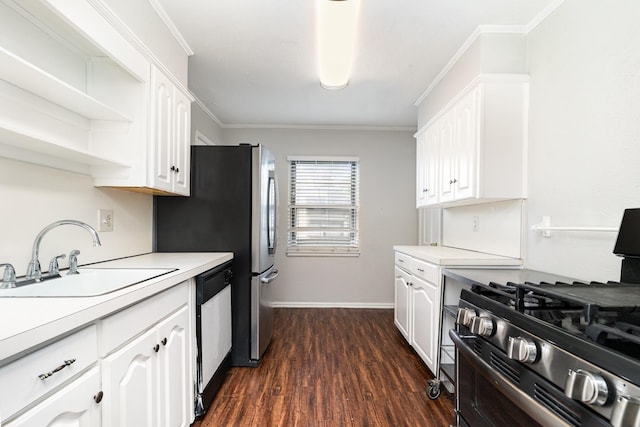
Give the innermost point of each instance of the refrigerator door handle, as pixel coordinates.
(272, 212)
(270, 278)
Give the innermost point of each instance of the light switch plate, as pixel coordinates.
(105, 220)
(476, 224)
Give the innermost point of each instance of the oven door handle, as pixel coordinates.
(541, 414)
(270, 277)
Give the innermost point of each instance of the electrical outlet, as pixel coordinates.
(476, 223)
(105, 220)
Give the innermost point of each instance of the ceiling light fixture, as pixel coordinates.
(336, 29)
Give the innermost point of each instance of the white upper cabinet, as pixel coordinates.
(169, 135)
(473, 151)
(75, 95)
(427, 167)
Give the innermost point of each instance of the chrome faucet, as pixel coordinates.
(9, 277)
(33, 270)
(73, 262)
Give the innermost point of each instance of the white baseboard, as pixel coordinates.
(288, 304)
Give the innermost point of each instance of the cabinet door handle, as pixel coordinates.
(173, 168)
(164, 341)
(98, 397)
(177, 170)
(156, 347)
(59, 368)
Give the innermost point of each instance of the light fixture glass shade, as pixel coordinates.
(336, 22)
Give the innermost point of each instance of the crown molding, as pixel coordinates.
(107, 13)
(551, 7)
(171, 26)
(480, 78)
(488, 29)
(322, 127)
(213, 117)
(207, 111)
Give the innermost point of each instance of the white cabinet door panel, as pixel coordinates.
(402, 301)
(174, 370)
(446, 129)
(432, 153)
(421, 171)
(161, 130)
(182, 148)
(424, 323)
(467, 139)
(130, 384)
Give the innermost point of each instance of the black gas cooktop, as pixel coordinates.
(607, 314)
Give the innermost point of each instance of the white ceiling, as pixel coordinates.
(254, 62)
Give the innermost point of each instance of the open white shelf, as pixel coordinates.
(39, 149)
(27, 76)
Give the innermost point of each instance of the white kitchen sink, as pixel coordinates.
(89, 282)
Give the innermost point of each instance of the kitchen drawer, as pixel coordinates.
(403, 261)
(130, 322)
(425, 270)
(73, 404)
(20, 382)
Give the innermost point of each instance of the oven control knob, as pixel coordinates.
(522, 350)
(482, 326)
(465, 316)
(586, 387)
(626, 412)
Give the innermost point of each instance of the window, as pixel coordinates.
(323, 206)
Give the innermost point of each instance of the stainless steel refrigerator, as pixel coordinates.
(232, 208)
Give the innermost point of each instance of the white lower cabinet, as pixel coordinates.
(76, 405)
(417, 306)
(133, 368)
(424, 321)
(38, 375)
(148, 381)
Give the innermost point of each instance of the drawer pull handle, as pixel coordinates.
(59, 368)
(98, 397)
(164, 341)
(156, 347)
(421, 270)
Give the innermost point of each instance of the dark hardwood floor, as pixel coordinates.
(331, 367)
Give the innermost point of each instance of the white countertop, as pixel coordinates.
(446, 256)
(27, 322)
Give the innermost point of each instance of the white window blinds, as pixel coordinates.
(323, 206)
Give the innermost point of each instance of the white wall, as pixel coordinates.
(498, 228)
(35, 196)
(584, 139)
(202, 123)
(387, 194)
(487, 53)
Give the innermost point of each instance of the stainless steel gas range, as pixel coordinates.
(539, 349)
